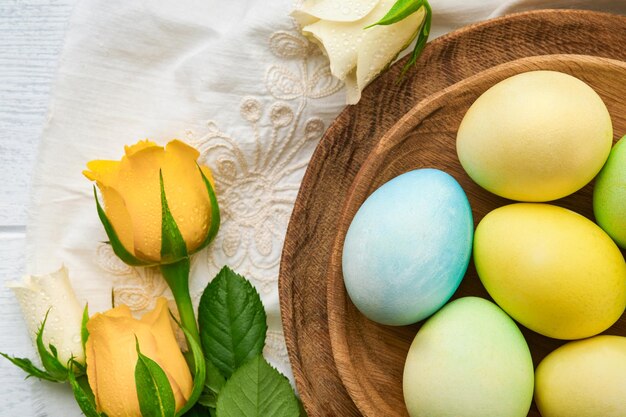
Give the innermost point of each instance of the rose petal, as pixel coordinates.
(338, 10)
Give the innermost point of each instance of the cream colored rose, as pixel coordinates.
(39, 293)
(356, 55)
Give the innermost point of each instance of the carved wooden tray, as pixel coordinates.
(344, 364)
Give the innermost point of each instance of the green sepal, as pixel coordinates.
(84, 333)
(215, 212)
(399, 11)
(422, 38)
(114, 240)
(156, 398)
(173, 247)
(83, 394)
(199, 370)
(50, 359)
(27, 366)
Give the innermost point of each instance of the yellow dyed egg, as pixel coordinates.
(536, 136)
(468, 360)
(551, 269)
(586, 378)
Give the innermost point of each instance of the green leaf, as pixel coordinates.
(27, 366)
(214, 379)
(114, 240)
(257, 390)
(197, 411)
(84, 333)
(232, 321)
(302, 410)
(83, 395)
(215, 212)
(199, 372)
(399, 11)
(154, 392)
(173, 247)
(49, 360)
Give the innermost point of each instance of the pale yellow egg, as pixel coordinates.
(551, 269)
(586, 378)
(536, 136)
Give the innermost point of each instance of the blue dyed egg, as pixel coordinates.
(408, 247)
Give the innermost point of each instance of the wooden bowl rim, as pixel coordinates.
(336, 300)
(286, 276)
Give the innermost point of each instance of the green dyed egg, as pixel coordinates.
(468, 360)
(609, 195)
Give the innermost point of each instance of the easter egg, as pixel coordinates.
(586, 378)
(468, 360)
(609, 195)
(551, 269)
(536, 136)
(408, 247)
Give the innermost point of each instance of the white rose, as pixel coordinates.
(37, 295)
(356, 55)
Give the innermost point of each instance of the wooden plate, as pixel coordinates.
(370, 357)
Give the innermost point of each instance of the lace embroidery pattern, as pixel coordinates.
(257, 177)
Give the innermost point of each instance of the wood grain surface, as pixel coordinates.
(306, 276)
(31, 39)
(370, 357)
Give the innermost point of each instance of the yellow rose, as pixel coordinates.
(112, 356)
(132, 195)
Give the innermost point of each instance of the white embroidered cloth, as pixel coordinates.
(234, 79)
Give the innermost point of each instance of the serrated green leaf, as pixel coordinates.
(27, 366)
(173, 247)
(114, 240)
(84, 333)
(83, 395)
(232, 321)
(154, 391)
(257, 390)
(49, 360)
(199, 372)
(215, 212)
(399, 11)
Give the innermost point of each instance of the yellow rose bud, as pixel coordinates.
(112, 356)
(132, 195)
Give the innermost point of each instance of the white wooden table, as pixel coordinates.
(31, 38)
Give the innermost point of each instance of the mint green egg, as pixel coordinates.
(469, 360)
(609, 195)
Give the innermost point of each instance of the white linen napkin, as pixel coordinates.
(233, 78)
